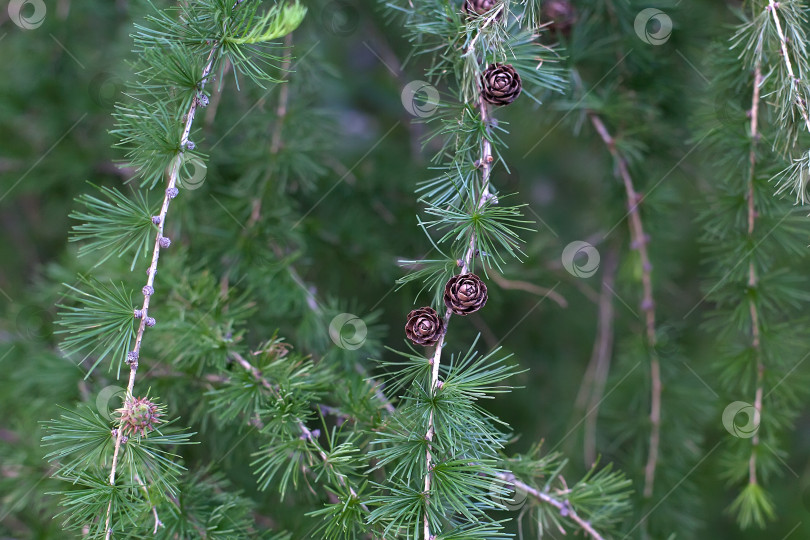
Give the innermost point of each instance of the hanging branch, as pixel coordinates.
(562, 504)
(791, 90)
(435, 361)
(752, 275)
(148, 289)
(593, 385)
(283, 98)
(173, 77)
(639, 241)
(490, 59)
(767, 244)
(783, 43)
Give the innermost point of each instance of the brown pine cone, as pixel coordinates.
(500, 84)
(465, 294)
(479, 7)
(560, 14)
(424, 326)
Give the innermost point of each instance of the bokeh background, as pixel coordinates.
(340, 212)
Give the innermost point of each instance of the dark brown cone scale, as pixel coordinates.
(465, 294)
(479, 7)
(500, 84)
(424, 326)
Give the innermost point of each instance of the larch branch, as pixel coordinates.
(752, 274)
(466, 263)
(639, 241)
(562, 504)
(171, 186)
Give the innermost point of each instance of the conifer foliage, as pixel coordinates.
(241, 331)
(130, 470)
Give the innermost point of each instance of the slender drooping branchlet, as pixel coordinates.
(754, 244)
(180, 50)
(487, 58)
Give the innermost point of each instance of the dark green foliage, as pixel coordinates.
(307, 210)
(116, 225)
(99, 322)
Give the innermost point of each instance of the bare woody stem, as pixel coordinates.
(435, 361)
(593, 384)
(171, 187)
(639, 241)
(562, 504)
(773, 7)
(158, 523)
(752, 274)
(283, 99)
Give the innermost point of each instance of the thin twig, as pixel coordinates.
(752, 274)
(435, 361)
(593, 384)
(773, 7)
(305, 431)
(283, 99)
(216, 96)
(487, 22)
(158, 523)
(150, 281)
(275, 137)
(639, 241)
(504, 283)
(562, 504)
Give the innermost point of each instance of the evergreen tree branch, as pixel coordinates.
(639, 241)
(562, 504)
(752, 274)
(783, 43)
(435, 361)
(306, 433)
(148, 289)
